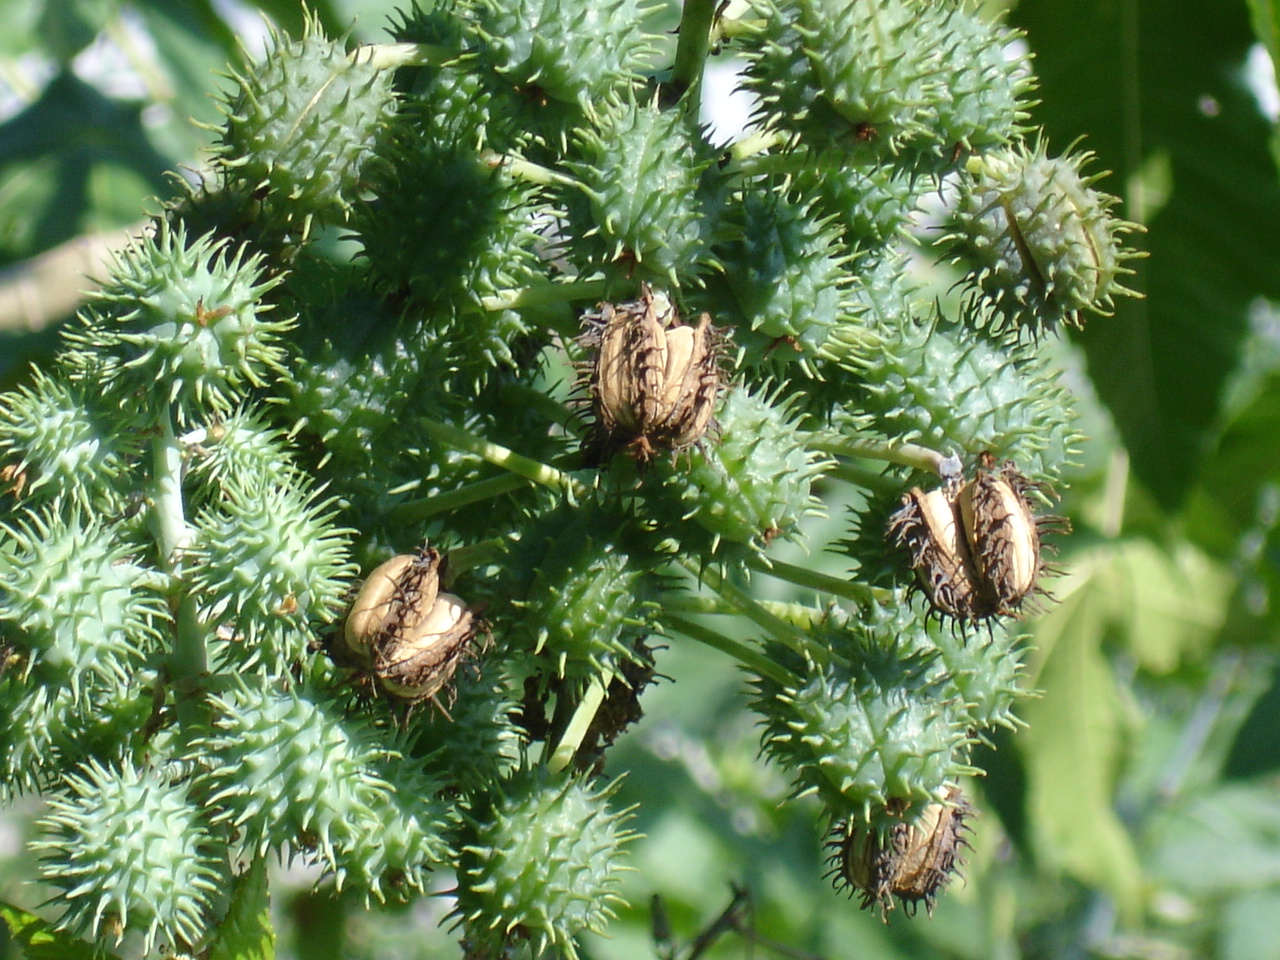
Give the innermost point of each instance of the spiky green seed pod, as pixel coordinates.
(874, 203)
(877, 722)
(844, 72)
(241, 448)
(301, 125)
(54, 443)
(750, 483)
(541, 865)
(886, 77)
(1041, 244)
(479, 742)
(574, 51)
(642, 169)
(76, 601)
(50, 728)
(583, 588)
(268, 566)
(129, 851)
(789, 275)
(178, 324)
(453, 233)
(934, 383)
(288, 772)
(982, 95)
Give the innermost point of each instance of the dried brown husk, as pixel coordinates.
(929, 525)
(913, 859)
(1004, 533)
(405, 632)
(654, 380)
(416, 665)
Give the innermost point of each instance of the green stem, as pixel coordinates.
(746, 605)
(500, 456)
(545, 293)
(580, 722)
(476, 555)
(414, 510)
(859, 593)
(388, 56)
(864, 478)
(797, 614)
(750, 658)
(694, 42)
(908, 454)
(527, 170)
(188, 663)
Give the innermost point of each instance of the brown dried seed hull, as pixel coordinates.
(929, 525)
(393, 599)
(654, 380)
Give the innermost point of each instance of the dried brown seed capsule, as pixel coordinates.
(654, 380)
(394, 598)
(929, 525)
(912, 860)
(1003, 532)
(416, 665)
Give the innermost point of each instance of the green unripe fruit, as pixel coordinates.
(1041, 243)
(642, 170)
(47, 726)
(269, 567)
(289, 772)
(878, 721)
(789, 274)
(130, 851)
(53, 443)
(541, 865)
(750, 483)
(982, 94)
(874, 203)
(449, 231)
(934, 383)
(301, 125)
(76, 602)
(576, 51)
(179, 324)
(585, 587)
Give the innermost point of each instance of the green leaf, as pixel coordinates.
(1155, 87)
(51, 155)
(246, 932)
(1251, 927)
(41, 942)
(1072, 749)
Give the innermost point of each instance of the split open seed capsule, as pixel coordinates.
(1003, 532)
(408, 633)
(654, 379)
(416, 665)
(395, 597)
(929, 525)
(912, 860)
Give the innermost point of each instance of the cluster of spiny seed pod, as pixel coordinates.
(975, 545)
(377, 291)
(406, 631)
